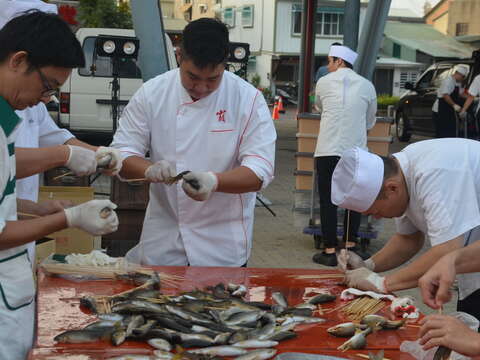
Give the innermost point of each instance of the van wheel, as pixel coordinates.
(401, 127)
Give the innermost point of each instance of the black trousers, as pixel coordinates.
(328, 211)
(471, 304)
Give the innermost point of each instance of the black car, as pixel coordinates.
(413, 113)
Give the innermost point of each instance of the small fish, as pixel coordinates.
(343, 330)
(306, 306)
(304, 320)
(442, 353)
(111, 317)
(322, 298)
(358, 341)
(373, 321)
(283, 335)
(83, 336)
(90, 303)
(222, 338)
(241, 291)
(256, 344)
(101, 324)
(280, 299)
(160, 344)
(244, 317)
(145, 328)
(119, 337)
(163, 355)
(299, 311)
(260, 354)
(393, 324)
(220, 351)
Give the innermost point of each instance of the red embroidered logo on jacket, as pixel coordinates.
(221, 115)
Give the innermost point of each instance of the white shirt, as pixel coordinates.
(348, 103)
(229, 128)
(37, 130)
(443, 182)
(446, 88)
(474, 88)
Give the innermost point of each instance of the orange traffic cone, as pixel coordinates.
(281, 109)
(275, 114)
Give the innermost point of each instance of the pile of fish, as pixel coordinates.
(359, 332)
(215, 321)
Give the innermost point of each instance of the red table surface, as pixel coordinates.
(58, 310)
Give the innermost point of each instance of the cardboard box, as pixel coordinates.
(69, 240)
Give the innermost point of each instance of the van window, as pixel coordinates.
(441, 75)
(104, 66)
(425, 80)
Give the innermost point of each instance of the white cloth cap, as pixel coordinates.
(344, 53)
(462, 69)
(357, 180)
(12, 8)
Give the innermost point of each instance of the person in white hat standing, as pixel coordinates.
(432, 189)
(450, 98)
(348, 104)
(472, 93)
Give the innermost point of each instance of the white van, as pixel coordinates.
(85, 98)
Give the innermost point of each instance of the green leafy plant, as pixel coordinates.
(255, 80)
(105, 13)
(383, 100)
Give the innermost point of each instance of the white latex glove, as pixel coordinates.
(200, 185)
(457, 108)
(81, 161)
(463, 114)
(160, 171)
(348, 260)
(110, 159)
(95, 216)
(365, 279)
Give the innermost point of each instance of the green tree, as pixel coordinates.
(104, 13)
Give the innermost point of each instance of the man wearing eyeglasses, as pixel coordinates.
(36, 48)
(38, 130)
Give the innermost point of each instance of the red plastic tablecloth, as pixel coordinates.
(58, 310)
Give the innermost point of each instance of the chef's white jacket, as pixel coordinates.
(348, 104)
(443, 182)
(446, 88)
(229, 128)
(37, 129)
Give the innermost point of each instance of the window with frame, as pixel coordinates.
(247, 16)
(203, 8)
(408, 76)
(397, 50)
(328, 21)
(229, 17)
(187, 1)
(102, 66)
(461, 29)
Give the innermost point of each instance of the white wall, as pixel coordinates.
(251, 35)
(263, 68)
(287, 43)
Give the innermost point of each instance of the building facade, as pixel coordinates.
(455, 17)
(194, 9)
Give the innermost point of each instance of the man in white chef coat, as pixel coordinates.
(348, 105)
(432, 189)
(37, 129)
(31, 66)
(209, 121)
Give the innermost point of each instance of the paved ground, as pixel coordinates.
(277, 241)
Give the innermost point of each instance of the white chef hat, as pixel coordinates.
(344, 53)
(462, 69)
(357, 180)
(12, 8)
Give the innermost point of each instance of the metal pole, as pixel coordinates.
(371, 37)
(148, 25)
(351, 23)
(307, 53)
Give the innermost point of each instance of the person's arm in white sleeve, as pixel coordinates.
(372, 110)
(132, 137)
(256, 154)
(49, 134)
(473, 91)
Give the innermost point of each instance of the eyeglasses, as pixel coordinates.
(48, 90)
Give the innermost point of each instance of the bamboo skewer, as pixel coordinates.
(27, 214)
(368, 357)
(63, 175)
